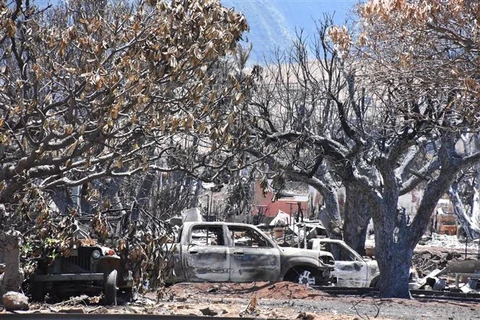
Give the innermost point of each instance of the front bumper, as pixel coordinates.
(70, 277)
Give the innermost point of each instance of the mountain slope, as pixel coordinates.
(274, 23)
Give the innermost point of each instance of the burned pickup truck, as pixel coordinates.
(234, 252)
(83, 270)
(351, 269)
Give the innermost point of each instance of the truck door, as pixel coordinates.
(350, 269)
(253, 256)
(205, 257)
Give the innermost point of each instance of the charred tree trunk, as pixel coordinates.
(393, 248)
(356, 218)
(472, 231)
(12, 278)
(395, 240)
(330, 215)
(469, 221)
(394, 256)
(143, 195)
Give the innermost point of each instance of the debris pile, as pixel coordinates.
(426, 262)
(262, 290)
(445, 263)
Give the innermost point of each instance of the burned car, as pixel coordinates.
(82, 270)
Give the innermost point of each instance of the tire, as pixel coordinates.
(128, 295)
(375, 282)
(306, 277)
(110, 290)
(301, 276)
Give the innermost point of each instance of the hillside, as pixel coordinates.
(273, 23)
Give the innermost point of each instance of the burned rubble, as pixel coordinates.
(453, 266)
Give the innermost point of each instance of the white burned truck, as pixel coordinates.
(351, 269)
(235, 252)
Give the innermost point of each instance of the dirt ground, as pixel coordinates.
(282, 300)
(285, 300)
(263, 300)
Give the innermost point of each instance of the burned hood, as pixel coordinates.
(297, 252)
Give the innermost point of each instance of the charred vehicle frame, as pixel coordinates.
(235, 252)
(82, 270)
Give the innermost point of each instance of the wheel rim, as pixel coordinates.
(306, 277)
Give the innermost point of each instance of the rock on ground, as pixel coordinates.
(13, 301)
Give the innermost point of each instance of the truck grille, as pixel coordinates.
(82, 259)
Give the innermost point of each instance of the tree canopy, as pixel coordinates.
(91, 89)
(426, 50)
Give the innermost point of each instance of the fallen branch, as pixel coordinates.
(73, 301)
(365, 316)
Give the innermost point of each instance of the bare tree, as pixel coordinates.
(385, 109)
(417, 61)
(306, 110)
